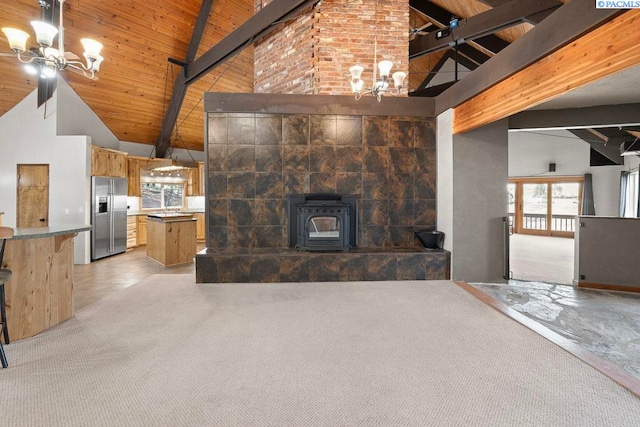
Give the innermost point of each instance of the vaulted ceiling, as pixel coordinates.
(136, 79)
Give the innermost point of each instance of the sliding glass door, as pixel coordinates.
(545, 206)
(535, 207)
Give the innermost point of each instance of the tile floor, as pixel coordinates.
(603, 322)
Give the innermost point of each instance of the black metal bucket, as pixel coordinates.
(431, 239)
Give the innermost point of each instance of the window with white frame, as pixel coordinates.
(158, 193)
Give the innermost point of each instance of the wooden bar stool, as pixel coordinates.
(5, 275)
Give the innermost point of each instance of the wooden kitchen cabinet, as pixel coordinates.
(200, 227)
(106, 162)
(203, 177)
(132, 232)
(141, 229)
(99, 161)
(133, 184)
(172, 240)
(195, 185)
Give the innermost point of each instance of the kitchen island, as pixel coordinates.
(171, 238)
(39, 295)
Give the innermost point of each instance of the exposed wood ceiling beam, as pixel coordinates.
(431, 91)
(179, 90)
(48, 13)
(435, 13)
(577, 118)
(493, 3)
(258, 26)
(610, 151)
(536, 18)
(568, 23)
(607, 49)
(491, 43)
(473, 54)
(463, 60)
(598, 134)
(532, 19)
(483, 24)
(460, 59)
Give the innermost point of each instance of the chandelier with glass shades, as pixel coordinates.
(380, 84)
(46, 60)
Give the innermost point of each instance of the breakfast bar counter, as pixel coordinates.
(39, 295)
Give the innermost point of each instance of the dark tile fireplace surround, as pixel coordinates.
(260, 158)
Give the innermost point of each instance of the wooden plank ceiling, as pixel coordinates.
(136, 80)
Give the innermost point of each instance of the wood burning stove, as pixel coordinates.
(322, 222)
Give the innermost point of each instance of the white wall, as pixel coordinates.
(76, 118)
(27, 136)
(631, 162)
(531, 152)
(444, 182)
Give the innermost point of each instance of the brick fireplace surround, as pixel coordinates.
(262, 147)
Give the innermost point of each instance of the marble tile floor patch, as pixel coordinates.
(606, 323)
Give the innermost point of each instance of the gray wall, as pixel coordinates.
(475, 179)
(531, 152)
(607, 251)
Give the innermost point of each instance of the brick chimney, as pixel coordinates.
(312, 54)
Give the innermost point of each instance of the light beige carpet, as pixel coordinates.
(169, 352)
(542, 258)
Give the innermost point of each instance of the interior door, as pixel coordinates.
(32, 208)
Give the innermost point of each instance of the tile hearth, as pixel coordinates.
(289, 265)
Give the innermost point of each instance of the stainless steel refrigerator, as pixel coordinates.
(108, 216)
